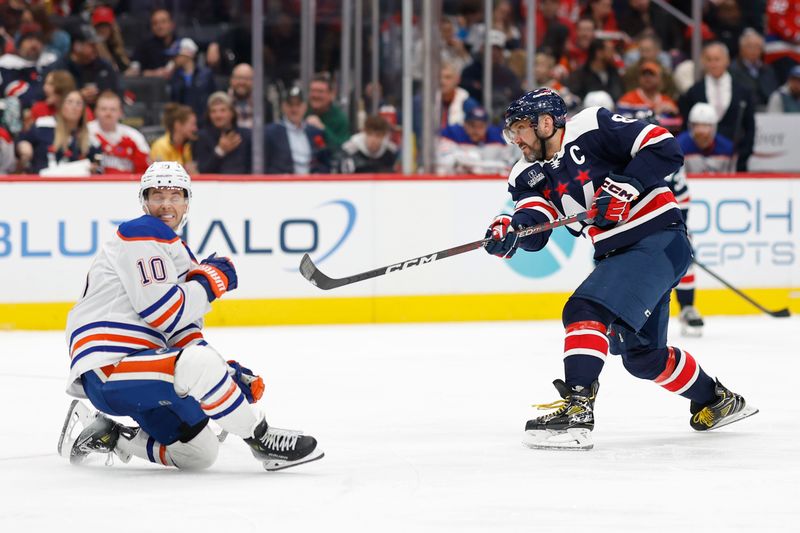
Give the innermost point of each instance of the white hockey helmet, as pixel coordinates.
(166, 174)
(703, 113)
(598, 98)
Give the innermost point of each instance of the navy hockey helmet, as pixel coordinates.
(530, 105)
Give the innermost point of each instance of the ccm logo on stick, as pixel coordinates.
(412, 262)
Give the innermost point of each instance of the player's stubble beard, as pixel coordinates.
(539, 150)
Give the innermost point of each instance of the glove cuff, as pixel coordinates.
(213, 280)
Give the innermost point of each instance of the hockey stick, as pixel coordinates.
(780, 313)
(310, 271)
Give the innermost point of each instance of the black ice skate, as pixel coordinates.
(282, 448)
(96, 433)
(691, 322)
(569, 427)
(728, 408)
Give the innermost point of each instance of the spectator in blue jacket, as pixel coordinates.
(190, 84)
(292, 146)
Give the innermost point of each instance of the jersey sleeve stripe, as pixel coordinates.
(648, 136)
(537, 204)
(179, 313)
(160, 302)
(174, 308)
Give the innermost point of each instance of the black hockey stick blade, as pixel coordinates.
(780, 313)
(313, 274)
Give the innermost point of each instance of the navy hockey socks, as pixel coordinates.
(585, 352)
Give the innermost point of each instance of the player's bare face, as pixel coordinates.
(521, 133)
(529, 139)
(167, 204)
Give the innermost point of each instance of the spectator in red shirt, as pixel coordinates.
(578, 51)
(782, 50)
(123, 150)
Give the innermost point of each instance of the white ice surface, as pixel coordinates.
(422, 429)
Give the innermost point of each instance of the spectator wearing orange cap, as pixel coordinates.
(649, 96)
(111, 46)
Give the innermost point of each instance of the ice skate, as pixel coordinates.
(691, 322)
(96, 433)
(570, 426)
(282, 448)
(729, 407)
(79, 416)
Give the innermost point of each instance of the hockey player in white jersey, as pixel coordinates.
(136, 349)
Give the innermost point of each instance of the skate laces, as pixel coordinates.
(558, 404)
(281, 439)
(705, 416)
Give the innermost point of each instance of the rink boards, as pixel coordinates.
(745, 228)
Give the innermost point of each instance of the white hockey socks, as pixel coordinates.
(198, 453)
(202, 373)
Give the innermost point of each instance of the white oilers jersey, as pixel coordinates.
(136, 298)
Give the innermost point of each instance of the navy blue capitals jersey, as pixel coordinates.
(595, 143)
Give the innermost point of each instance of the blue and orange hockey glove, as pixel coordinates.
(251, 385)
(217, 275)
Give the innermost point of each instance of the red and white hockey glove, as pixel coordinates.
(504, 239)
(217, 275)
(613, 200)
(251, 385)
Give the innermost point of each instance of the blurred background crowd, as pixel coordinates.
(108, 86)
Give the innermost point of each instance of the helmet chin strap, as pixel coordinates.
(543, 141)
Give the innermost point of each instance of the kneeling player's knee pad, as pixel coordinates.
(580, 310)
(198, 453)
(645, 363)
(198, 370)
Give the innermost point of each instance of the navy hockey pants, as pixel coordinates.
(147, 395)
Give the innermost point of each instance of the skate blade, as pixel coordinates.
(273, 465)
(77, 415)
(575, 439)
(747, 412)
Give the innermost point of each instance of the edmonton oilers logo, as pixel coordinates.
(546, 261)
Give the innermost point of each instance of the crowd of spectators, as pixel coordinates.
(117, 84)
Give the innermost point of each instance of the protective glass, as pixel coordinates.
(155, 198)
(512, 133)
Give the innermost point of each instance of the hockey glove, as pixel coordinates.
(217, 275)
(613, 200)
(252, 386)
(504, 239)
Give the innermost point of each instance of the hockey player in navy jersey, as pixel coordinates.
(617, 166)
(136, 349)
